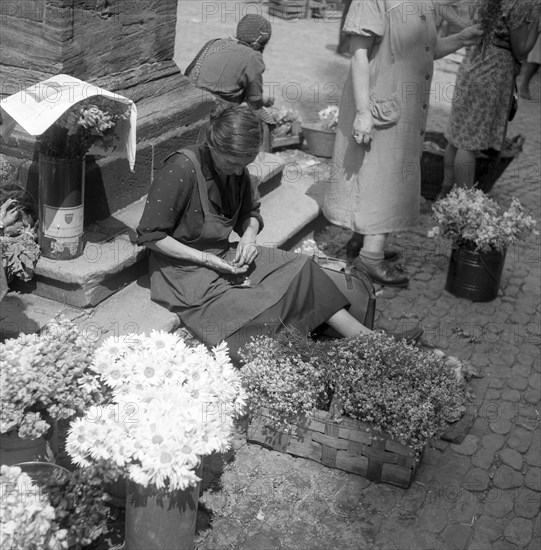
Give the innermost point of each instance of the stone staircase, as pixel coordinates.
(106, 290)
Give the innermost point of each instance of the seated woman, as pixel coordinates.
(222, 291)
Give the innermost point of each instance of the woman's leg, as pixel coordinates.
(448, 170)
(528, 71)
(372, 260)
(345, 324)
(465, 168)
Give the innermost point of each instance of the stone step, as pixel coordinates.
(111, 259)
(288, 209)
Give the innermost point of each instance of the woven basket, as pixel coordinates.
(293, 138)
(346, 444)
(489, 167)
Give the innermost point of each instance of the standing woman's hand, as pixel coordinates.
(362, 127)
(470, 36)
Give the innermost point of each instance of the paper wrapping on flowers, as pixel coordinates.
(41, 105)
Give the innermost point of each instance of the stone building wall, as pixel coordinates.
(121, 45)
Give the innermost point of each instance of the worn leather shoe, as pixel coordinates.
(412, 335)
(381, 272)
(354, 245)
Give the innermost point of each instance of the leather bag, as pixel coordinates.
(356, 286)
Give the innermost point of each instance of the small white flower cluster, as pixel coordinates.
(281, 378)
(329, 118)
(172, 404)
(27, 519)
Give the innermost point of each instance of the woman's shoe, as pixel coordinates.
(412, 335)
(381, 272)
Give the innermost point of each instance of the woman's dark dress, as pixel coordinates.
(280, 288)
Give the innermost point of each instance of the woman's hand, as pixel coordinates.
(362, 127)
(222, 266)
(9, 212)
(470, 36)
(246, 250)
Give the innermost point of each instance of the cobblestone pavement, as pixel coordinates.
(481, 494)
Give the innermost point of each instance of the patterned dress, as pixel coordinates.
(376, 187)
(485, 83)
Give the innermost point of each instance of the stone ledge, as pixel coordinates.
(289, 209)
(129, 311)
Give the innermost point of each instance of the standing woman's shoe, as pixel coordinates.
(381, 272)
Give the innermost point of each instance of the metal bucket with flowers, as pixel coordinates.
(173, 403)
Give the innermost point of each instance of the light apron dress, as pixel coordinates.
(376, 187)
(280, 288)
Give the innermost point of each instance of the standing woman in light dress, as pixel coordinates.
(382, 121)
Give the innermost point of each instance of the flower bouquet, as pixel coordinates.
(78, 500)
(468, 217)
(480, 234)
(45, 378)
(89, 124)
(172, 404)
(93, 126)
(367, 404)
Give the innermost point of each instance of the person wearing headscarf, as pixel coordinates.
(232, 68)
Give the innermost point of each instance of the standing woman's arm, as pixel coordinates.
(360, 47)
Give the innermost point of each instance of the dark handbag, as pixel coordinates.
(356, 286)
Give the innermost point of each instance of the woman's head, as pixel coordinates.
(234, 136)
(255, 30)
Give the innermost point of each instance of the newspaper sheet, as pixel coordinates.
(39, 106)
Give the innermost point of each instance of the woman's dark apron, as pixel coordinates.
(210, 304)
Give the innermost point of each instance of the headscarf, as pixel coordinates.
(253, 28)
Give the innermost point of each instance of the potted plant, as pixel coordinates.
(172, 404)
(367, 405)
(18, 244)
(79, 506)
(46, 377)
(89, 125)
(27, 518)
(480, 233)
(320, 136)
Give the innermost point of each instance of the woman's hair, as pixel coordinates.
(235, 130)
